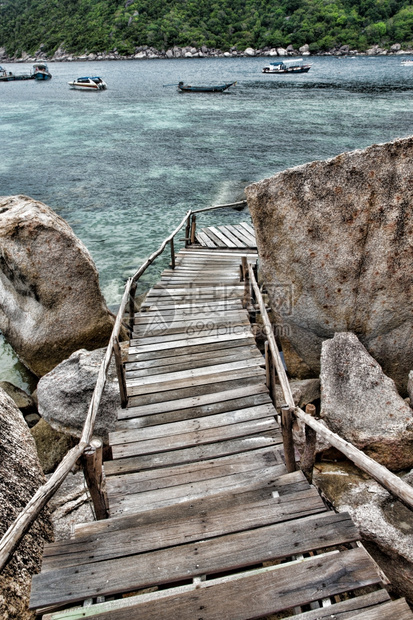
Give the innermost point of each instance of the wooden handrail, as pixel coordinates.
(30, 512)
(381, 474)
(232, 205)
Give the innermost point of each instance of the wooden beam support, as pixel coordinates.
(187, 230)
(172, 254)
(287, 434)
(308, 457)
(120, 370)
(270, 373)
(193, 229)
(92, 468)
(132, 306)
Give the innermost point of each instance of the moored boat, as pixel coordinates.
(407, 63)
(40, 71)
(187, 88)
(8, 76)
(285, 66)
(88, 83)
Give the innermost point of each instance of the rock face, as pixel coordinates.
(51, 445)
(64, 394)
(50, 300)
(22, 400)
(303, 392)
(20, 477)
(384, 522)
(334, 239)
(362, 405)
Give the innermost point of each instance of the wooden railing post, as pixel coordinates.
(92, 468)
(172, 254)
(287, 434)
(246, 301)
(120, 370)
(308, 456)
(270, 373)
(193, 229)
(132, 294)
(187, 230)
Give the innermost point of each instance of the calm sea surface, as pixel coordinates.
(122, 166)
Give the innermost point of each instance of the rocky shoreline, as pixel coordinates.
(145, 52)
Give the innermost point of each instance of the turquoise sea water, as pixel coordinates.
(122, 166)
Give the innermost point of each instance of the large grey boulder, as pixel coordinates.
(335, 242)
(64, 394)
(20, 477)
(385, 524)
(50, 300)
(362, 405)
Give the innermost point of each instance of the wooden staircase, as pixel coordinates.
(205, 522)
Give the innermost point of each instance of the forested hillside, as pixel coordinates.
(102, 25)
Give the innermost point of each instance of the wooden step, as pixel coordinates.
(271, 438)
(224, 553)
(376, 604)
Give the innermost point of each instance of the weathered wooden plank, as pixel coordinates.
(246, 232)
(229, 254)
(205, 240)
(167, 314)
(178, 282)
(190, 521)
(196, 453)
(180, 352)
(285, 484)
(129, 502)
(186, 602)
(347, 610)
(241, 333)
(205, 305)
(387, 611)
(217, 241)
(192, 373)
(221, 235)
(162, 291)
(171, 318)
(150, 494)
(141, 536)
(216, 555)
(194, 381)
(228, 233)
(196, 424)
(132, 499)
(152, 479)
(200, 400)
(187, 329)
(195, 438)
(193, 412)
(154, 367)
(242, 236)
(248, 227)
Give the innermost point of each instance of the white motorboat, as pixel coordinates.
(287, 66)
(407, 63)
(88, 83)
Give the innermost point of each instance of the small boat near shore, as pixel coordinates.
(8, 76)
(88, 83)
(407, 63)
(286, 66)
(187, 88)
(39, 72)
